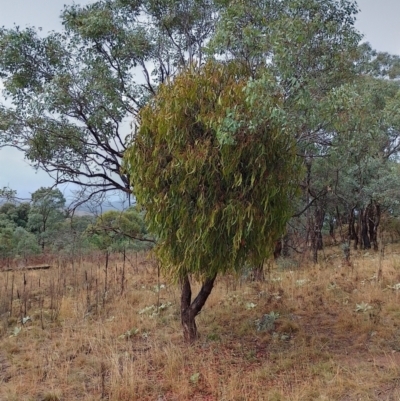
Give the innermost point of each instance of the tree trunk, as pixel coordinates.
(340, 223)
(316, 238)
(309, 228)
(332, 229)
(285, 246)
(258, 272)
(319, 222)
(352, 230)
(278, 249)
(374, 218)
(366, 244)
(189, 309)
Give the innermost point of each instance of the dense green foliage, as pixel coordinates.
(215, 173)
(120, 230)
(46, 213)
(44, 225)
(357, 168)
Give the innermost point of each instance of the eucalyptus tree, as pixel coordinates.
(353, 179)
(17, 213)
(314, 51)
(46, 214)
(312, 48)
(25, 244)
(8, 194)
(361, 168)
(120, 230)
(15, 241)
(71, 239)
(6, 238)
(74, 93)
(215, 175)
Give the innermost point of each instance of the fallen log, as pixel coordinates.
(38, 267)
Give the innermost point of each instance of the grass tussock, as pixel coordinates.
(83, 332)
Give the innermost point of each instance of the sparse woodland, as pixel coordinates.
(261, 162)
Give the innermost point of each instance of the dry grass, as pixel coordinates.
(87, 341)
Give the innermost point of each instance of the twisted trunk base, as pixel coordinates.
(189, 309)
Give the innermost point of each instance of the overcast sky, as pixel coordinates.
(378, 20)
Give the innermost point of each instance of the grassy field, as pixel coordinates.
(323, 332)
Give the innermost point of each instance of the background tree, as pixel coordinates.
(215, 175)
(312, 48)
(74, 93)
(352, 178)
(363, 157)
(15, 241)
(70, 237)
(47, 210)
(7, 194)
(120, 230)
(7, 228)
(18, 213)
(25, 244)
